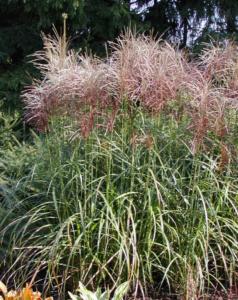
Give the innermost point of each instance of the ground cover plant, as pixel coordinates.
(27, 293)
(131, 174)
(85, 294)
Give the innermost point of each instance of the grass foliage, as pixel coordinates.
(120, 207)
(134, 204)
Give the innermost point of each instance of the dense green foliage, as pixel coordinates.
(92, 23)
(189, 21)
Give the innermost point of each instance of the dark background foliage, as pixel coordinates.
(93, 22)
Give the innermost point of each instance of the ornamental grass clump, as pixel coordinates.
(212, 90)
(219, 64)
(146, 71)
(73, 85)
(136, 205)
(206, 107)
(141, 73)
(103, 211)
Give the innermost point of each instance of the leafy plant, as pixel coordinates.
(26, 293)
(85, 294)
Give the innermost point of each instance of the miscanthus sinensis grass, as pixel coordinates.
(134, 205)
(140, 71)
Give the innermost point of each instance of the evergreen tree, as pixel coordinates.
(91, 23)
(189, 21)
